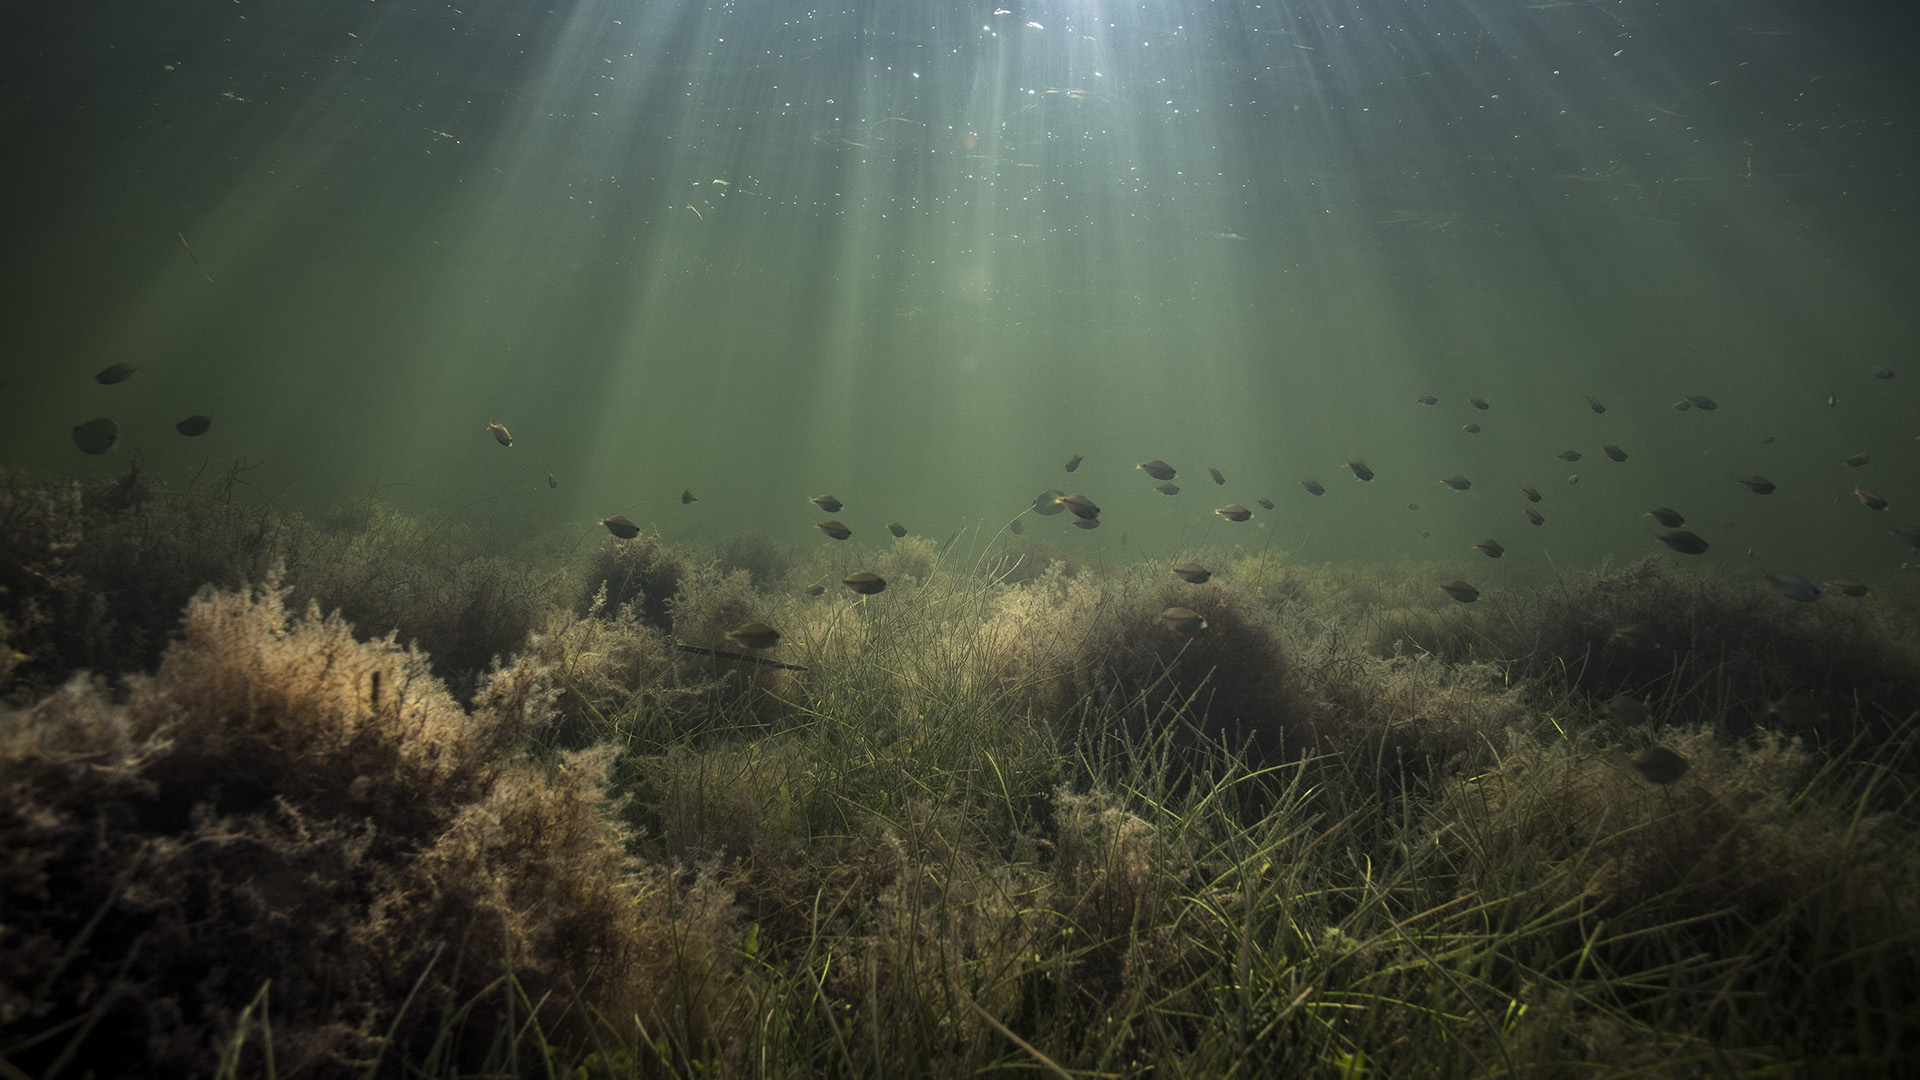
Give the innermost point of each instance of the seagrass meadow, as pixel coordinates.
(1352, 539)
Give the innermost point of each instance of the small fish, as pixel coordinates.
(1414, 506)
(1856, 460)
(1085, 523)
(1081, 506)
(1183, 620)
(1685, 543)
(1471, 429)
(621, 527)
(816, 590)
(553, 481)
(828, 504)
(1636, 637)
(1479, 403)
(1846, 587)
(1869, 500)
(833, 529)
(865, 582)
(896, 528)
(1531, 494)
(1880, 371)
(1796, 710)
(1313, 486)
(1074, 462)
(1572, 479)
(1234, 512)
(194, 425)
(1491, 548)
(1047, 503)
(1265, 504)
(1702, 402)
(1158, 469)
(1427, 399)
(1908, 534)
(1360, 471)
(1626, 709)
(1682, 405)
(115, 373)
(1614, 452)
(1667, 517)
(1457, 482)
(1568, 455)
(1832, 400)
(1794, 587)
(1768, 441)
(1534, 516)
(1191, 573)
(1015, 527)
(1168, 488)
(1659, 765)
(1594, 403)
(755, 635)
(96, 436)
(1217, 478)
(687, 496)
(1460, 591)
(1759, 485)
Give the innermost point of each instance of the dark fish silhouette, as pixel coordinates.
(1192, 573)
(1081, 506)
(833, 529)
(1857, 460)
(1759, 485)
(1047, 503)
(687, 496)
(1534, 516)
(828, 503)
(1636, 637)
(1460, 591)
(1426, 399)
(1846, 586)
(1015, 527)
(1880, 371)
(1457, 482)
(1869, 500)
(194, 425)
(755, 635)
(1614, 452)
(1234, 512)
(1313, 486)
(1360, 471)
(1479, 403)
(1594, 403)
(1670, 518)
(1217, 478)
(96, 436)
(1568, 455)
(1085, 523)
(621, 527)
(1702, 402)
(1073, 462)
(1168, 488)
(1794, 587)
(1491, 548)
(865, 582)
(116, 373)
(1659, 765)
(1685, 543)
(1531, 494)
(1908, 534)
(499, 433)
(1183, 620)
(553, 481)
(1265, 504)
(1471, 429)
(896, 528)
(1158, 469)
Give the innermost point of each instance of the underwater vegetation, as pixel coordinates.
(666, 811)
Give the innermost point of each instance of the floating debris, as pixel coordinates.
(499, 433)
(1531, 494)
(194, 426)
(1759, 485)
(1794, 587)
(1702, 402)
(1471, 429)
(1534, 516)
(621, 527)
(1846, 587)
(1568, 455)
(833, 529)
(1183, 620)
(1668, 517)
(1427, 399)
(1234, 512)
(1265, 504)
(865, 582)
(1869, 500)
(1457, 482)
(755, 635)
(1313, 486)
(116, 373)
(96, 436)
(1491, 548)
(1685, 543)
(1074, 462)
(1158, 469)
(1460, 591)
(687, 496)
(1856, 460)
(1614, 452)
(1047, 503)
(1081, 506)
(1594, 403)
(1878, 371)
(1217, 478)
(1479, 403)
(896, 528)
(1168, 488)
(1191, 573)
(828, 503)
(1659, 765)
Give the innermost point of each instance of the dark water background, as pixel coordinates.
(918, 254)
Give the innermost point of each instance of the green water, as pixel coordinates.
(917, 255)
